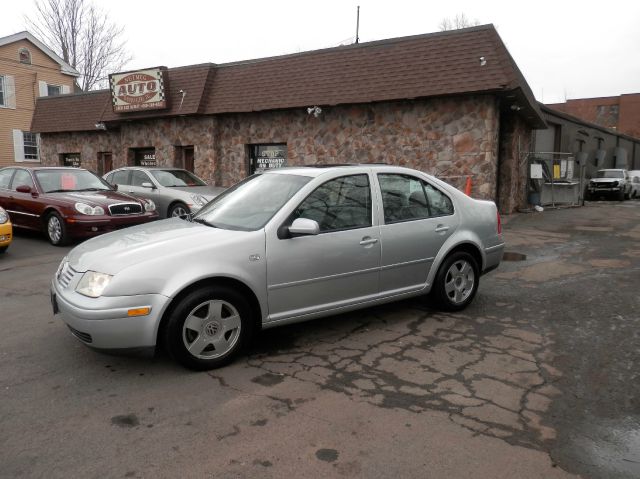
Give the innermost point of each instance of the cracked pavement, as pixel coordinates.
(537, 379)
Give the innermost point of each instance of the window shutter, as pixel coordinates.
(18, 145)
(65, 89)
(10, 86)
(42, 87)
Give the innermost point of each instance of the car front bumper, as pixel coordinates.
(6, 234)
(104, 323)
(86, 227)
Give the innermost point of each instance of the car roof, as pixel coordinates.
(318, 170)
(37, 168)
(150, 168)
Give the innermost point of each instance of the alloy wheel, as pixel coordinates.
(459, 281)
(211, 329)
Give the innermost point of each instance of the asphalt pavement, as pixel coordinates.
(538, 378)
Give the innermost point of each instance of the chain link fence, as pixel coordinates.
(555, 179)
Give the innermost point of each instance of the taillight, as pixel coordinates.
(499, 222)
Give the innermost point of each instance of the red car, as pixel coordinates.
(68, 203)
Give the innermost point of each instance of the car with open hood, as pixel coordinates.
(176, 192)
(67, 203)
(283, 246)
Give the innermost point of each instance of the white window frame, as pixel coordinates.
(43, 88)
(19, 147)
(36, 146)
(8, 92)
(3, 87)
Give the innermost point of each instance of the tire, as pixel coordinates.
(56, 230)
(3, 249)
(457, 282)
(208, 328)
(627, 195)
(621, 195)
(178, 209)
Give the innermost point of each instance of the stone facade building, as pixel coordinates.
(453, 104)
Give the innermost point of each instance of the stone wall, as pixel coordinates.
(515, 143)
(450, 137)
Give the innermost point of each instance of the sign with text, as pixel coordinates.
(139, 90)
(266, 157)
(146, 157)
(71, 159)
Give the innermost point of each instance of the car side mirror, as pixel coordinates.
(304, 227)
(146, 184)
(115, 187)
(23, 189)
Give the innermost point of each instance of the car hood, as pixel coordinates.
(100, 198)
(605, 181)
(209, 192)
(113, 252)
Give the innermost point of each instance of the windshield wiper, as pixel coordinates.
(202, 222)
(58, 191)
(92, 189)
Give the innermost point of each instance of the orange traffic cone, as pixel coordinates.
(467, 187)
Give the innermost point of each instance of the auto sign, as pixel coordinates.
(138, 90)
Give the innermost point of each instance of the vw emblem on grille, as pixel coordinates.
(211, 329)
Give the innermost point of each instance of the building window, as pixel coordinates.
(53, 90)
(70, 159)
(144, 157)
(31, 146)
(24, 56)
(2, 92)
(267, 156)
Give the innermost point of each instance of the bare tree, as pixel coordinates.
(83, 36)
(457, 22)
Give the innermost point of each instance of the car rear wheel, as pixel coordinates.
(56, 230)
(178, 209)
(457, 282)
(208, 328)
(3, 249)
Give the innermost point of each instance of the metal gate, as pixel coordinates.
(555, 179)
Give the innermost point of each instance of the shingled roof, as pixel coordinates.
(471, 60)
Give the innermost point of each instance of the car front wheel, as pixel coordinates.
(457, 282)
(56, 230)
(178, 209)
(208, 328)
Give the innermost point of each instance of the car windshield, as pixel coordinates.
(250, 204)
(610, 174)
(53, 181)
(171, 178)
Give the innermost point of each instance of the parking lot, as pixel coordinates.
(538, 378)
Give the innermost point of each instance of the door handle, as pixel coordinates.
(367, 241)
(441, 228)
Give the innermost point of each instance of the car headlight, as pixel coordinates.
(85, 209)
(92, 283)
(614, 184)
(4, 217)
(199, 200)
(149, 205)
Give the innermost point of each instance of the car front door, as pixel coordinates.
(25, 208)
(335, 268)
(417, 218)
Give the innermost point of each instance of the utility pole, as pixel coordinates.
(358, 26)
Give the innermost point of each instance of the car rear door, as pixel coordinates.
(337, 267)
(416, 220)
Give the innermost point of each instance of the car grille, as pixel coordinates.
(86, 337)
(66, 275)
(122, 209)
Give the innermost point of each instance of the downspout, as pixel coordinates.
(498, 155)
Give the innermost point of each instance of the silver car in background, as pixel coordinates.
(283, 246)
(176, 192)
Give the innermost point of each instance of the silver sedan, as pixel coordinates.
(175, 192)
(284, 246)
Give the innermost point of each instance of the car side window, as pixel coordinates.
(439, 203)
(138, 177)
(5, 178)
(339, 204)
(403, 198)
(21, 178)
(120, 178)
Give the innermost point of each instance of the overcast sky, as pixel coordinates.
(565, 49)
